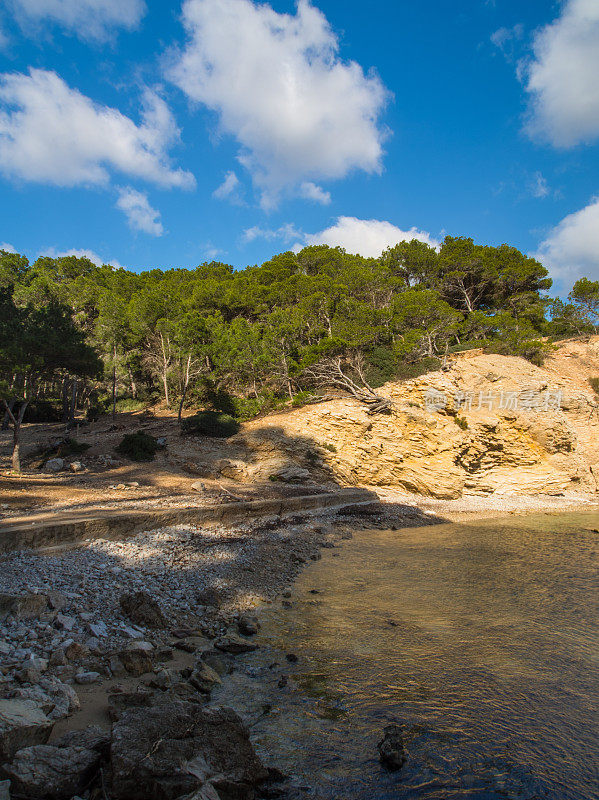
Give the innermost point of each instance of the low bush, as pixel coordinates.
(44, 411)
(210, 423)
(138, 446)
(594, 384)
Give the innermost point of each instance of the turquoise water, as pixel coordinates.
(480, 640)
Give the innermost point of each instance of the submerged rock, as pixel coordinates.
(392, 753)
(248, 624)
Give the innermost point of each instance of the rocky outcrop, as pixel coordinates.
(486, 424)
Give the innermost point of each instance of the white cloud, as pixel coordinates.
(505, 39)
(50, 133)
(89, 19)
(538, 185)
(140, 214)
(230, 189)
(571, 249)
(368, 237)
(277, 85)
(562, 77)
(311, 191)
(286, 233)
(8, 248)
(52, 252)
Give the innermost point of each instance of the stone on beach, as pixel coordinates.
(45, 771)
(174, 749)
(143, 610)
(22, 606)
(235, 644)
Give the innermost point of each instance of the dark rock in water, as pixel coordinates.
(392, 753)
(216, 661)
(178, 748)
(291, 657)
(248, 624)
(45, 771)
(143, 609)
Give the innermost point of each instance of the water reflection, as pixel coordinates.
(481, 641)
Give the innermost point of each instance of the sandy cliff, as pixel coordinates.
(487, 424)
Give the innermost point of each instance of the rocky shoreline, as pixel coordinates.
(98, 640)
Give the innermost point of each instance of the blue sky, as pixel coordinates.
(159, 134)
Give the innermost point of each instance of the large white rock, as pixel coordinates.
(22, 723)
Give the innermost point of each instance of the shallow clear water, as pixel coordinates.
(481, 641)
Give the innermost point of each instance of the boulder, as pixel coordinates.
(176, 748)
(92, 738)
(204, 678)
(22, 606)
(56, 699)
(54, 465)
(22, 723)
(136, 662)
(233, 643)
(143, 609)
(392, 753)
(120, 702)
(45, 771)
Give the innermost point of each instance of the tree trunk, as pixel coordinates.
(6, 418)
(114, 382)
(73, 401)
(16, 435)
(184, 391)
(65, 399)
(165, 364)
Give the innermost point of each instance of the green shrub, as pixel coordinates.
(594, 384)
(138, 446)
(301, 398)
(461, 423)
(129, 404)
(248, 407)
(44, 411)
(210, 423)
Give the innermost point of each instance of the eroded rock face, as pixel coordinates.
(44, 771)
(177, 748)
(508, 434)
(22, 723)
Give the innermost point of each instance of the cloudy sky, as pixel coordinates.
(155, 134)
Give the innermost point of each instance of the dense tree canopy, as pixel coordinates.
(251, 338)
